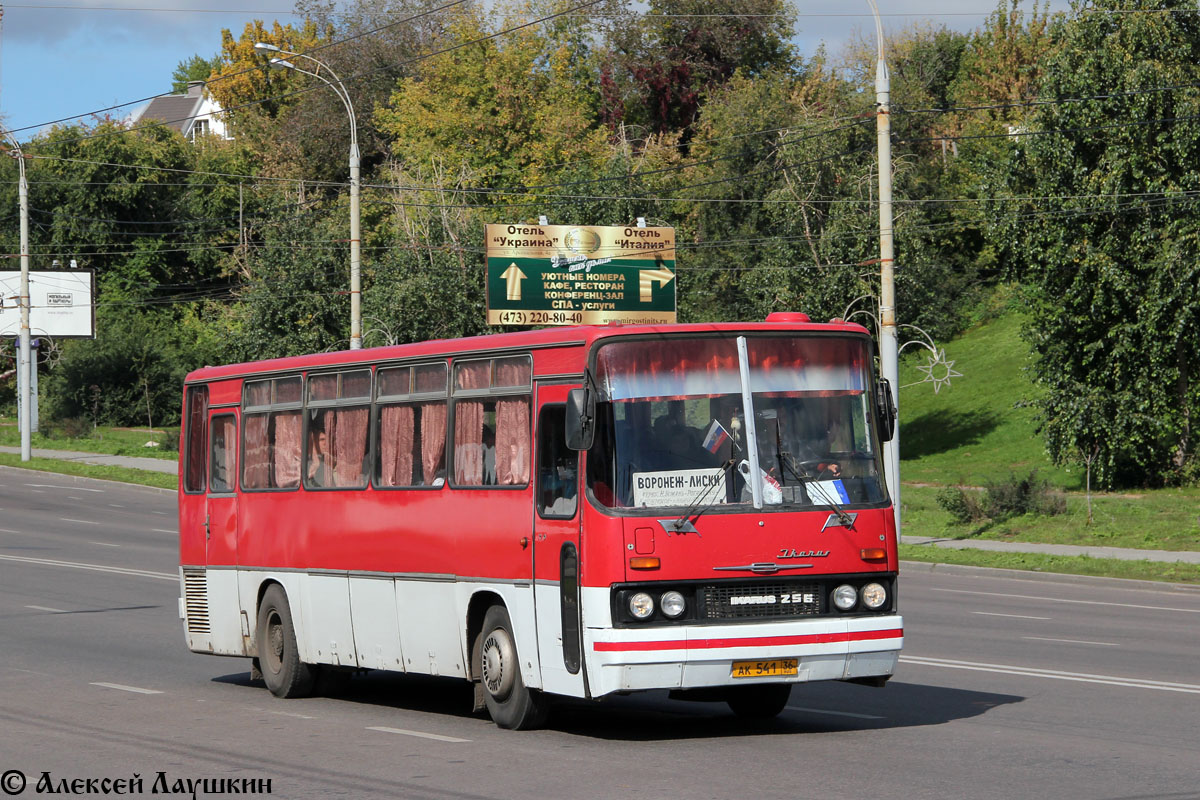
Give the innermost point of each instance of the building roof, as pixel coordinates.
(177, 111)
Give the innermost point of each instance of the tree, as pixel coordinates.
(190, 70)
(1114, 285)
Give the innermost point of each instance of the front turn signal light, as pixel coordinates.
(644, 562)
(873, 554)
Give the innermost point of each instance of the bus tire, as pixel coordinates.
(278, 657)
(761, 701)
(510, 703)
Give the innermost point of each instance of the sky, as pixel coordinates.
(63, 58)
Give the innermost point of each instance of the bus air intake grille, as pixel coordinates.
(758, 601)
(195, 598)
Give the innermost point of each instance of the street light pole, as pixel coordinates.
(339, 89)
(24, 359)
(889, 361)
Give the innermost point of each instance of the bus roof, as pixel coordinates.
(580, 336)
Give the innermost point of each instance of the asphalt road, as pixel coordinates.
(1010, 687)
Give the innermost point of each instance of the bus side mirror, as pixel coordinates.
(581, 419)
(885, 410)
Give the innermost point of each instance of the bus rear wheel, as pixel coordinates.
(763, 701)
(278, 656)
(510, 703)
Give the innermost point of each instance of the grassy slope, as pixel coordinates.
(981, 429)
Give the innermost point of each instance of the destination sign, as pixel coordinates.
(580, 275)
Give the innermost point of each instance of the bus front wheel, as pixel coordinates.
(278, 657)
(763, 701)
(509, 702)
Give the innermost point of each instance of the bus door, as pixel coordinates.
(221, 529)
(556, 546)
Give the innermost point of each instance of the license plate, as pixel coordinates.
(765, 669)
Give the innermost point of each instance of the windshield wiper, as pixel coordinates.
(812, 484)
(702, 503)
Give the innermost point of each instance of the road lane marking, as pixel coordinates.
(291, 714)
(420, 734)
(833, 713)
(105, 544)
(115, 505)
(1012, 616)
(6, 530)
(1071, 641)
(161, 513)
(45, 608)
(80, 521)
(73, 488)
(122, 687)
(47, 562)
(162, 530)
(1064, 600)
(1034, 672)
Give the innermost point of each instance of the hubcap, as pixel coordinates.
(499, 663)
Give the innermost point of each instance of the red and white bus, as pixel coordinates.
(571, 511)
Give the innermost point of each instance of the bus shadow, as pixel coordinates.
(939, 431)
(650, 716)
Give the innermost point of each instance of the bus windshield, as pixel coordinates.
(672, 427)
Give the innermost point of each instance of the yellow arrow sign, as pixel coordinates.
(513, 276)
(646, 279)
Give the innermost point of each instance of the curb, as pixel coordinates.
(1045, 577)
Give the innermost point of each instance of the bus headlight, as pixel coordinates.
(844, 597)
(641, 606)
(672, 604)
(874, 596)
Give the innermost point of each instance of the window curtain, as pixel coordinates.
(287, 449)
(433, 440)
(198, 399)
(349, 446)
(512, 441)
(396, 432)
(257, 466)
(468, 426)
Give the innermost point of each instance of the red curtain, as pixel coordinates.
(257, 472)
(396, 431)
(512, 441)
(287, 449)
(349, 446)
(468, 442)
(433, 440)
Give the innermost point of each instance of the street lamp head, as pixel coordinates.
(282, 63)
(263, 47)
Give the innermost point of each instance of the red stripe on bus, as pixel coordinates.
(758, 641)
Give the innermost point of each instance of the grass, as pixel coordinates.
(105, 440)
(122, 474)
(1068, 565)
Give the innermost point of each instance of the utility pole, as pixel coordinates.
(24, 356)
(889, 359)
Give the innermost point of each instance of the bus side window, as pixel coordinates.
(195, 438)
(221, 467)
(558, 466)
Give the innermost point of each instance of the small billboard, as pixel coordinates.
(580, 274)
(62, 303)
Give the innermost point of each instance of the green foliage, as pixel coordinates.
(961, 504)
(196, 68)
(1114, 294)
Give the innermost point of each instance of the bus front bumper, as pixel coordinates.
(687, 657)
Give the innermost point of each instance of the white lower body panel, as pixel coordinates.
(698, 656)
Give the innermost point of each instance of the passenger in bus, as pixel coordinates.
(319, 472)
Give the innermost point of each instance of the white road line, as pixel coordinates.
(833, 713)
(420, 734)
(291, 714)
(46, 608)
(6, 530)
(80, 521)
(1033, 672)
(72, 497)
(122, 687)
(1064, 600)
(115, 505)
(73, 488)
(47, 562)
(163, 530)
(160, 513)
(1012, 616)
(1070, 641)
(105, 544)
